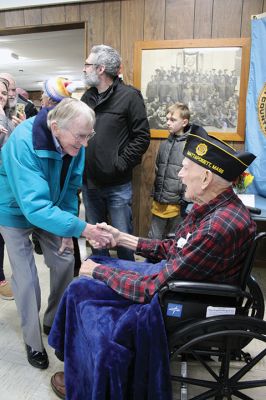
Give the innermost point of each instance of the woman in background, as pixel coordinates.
(7, 123)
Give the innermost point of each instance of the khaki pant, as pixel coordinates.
(25, 280)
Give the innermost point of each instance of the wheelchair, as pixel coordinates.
(209, 328)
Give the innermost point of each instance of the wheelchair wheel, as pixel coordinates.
(257, 307)
(212, 342)
(253, 308)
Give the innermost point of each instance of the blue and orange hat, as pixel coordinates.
(58, 88)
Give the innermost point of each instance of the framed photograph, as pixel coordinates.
(209, 75)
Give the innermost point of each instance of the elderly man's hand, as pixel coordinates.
(87, 267)
(67, 246)
(108, 228)
(99, 237)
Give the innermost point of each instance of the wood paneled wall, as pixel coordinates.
(120, 23)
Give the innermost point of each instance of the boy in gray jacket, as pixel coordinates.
(168, 188)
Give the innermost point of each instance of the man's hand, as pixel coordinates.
(18, 119)
(87, 268)
(108, 228)
(100, 237)
(67, 246)
(120, 238)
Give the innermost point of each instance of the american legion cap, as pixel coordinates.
(215, 155)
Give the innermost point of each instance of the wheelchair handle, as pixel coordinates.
(204, 288)
(254, 210)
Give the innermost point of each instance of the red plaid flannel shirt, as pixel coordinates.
(220, 233)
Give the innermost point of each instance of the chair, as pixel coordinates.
(212, 324)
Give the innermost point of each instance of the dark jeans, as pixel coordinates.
(110, 203)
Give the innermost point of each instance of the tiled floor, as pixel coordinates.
(20, 381)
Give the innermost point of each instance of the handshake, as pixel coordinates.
(101, 236)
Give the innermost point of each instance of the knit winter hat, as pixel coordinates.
(58, 88)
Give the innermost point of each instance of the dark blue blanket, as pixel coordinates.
(114, 349)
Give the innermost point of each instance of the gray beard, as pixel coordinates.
(91, 79)
(13, 103)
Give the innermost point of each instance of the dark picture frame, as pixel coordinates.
(210, 75)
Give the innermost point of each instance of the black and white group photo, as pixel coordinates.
(207, 80)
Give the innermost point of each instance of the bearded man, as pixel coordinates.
(122, 138)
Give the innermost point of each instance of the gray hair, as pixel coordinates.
(220, 181)
(69, 109)
(108, 57)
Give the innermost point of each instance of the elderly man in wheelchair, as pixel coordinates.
(118, 323)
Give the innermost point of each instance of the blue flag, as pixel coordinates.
(256, 104)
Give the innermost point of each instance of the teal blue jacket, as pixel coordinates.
(30, 193)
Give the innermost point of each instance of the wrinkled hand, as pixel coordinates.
(87, 267)
(109, 228)
(67, 246)
(97, 245)
(99, 237)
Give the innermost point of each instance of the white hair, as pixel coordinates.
(69, 109)
(220, 181)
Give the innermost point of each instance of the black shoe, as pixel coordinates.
(46, 329)
(37, 359)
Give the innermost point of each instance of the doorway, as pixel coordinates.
(35, 54)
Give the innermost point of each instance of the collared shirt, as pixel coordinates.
(210, 246)
(58, 146)
(66, 160)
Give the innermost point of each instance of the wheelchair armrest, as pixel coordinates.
(204, 288)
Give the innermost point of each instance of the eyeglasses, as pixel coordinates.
(78, 136)
(88, 65)
(82, 138)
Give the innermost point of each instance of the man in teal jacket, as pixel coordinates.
(43, 162)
